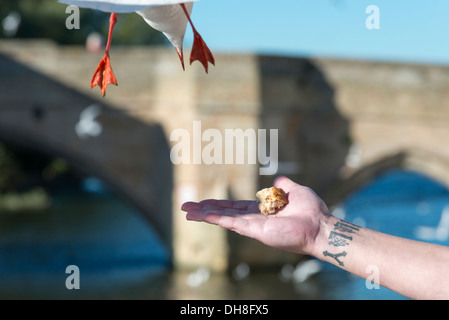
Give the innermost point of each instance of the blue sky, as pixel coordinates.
(410, 31)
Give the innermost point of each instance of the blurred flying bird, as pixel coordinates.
(167, 16)
(87, 126)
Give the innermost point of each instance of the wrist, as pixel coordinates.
(321, 243)
(334, 242)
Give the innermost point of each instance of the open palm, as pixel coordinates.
(294, 228)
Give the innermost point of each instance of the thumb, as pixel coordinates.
(284, 183)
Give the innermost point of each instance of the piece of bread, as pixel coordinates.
(271, 199)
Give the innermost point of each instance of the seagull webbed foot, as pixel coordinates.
(103, 75)
(201, 52)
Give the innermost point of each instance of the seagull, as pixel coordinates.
(167, 16)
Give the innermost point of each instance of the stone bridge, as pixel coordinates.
(340, 123)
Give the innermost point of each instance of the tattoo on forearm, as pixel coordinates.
(335, 256)
(346, 227)
(340, 239)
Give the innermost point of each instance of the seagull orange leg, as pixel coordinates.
(200, 51)
(181, 57)
(103, 75)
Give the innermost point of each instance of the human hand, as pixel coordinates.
(293, 228)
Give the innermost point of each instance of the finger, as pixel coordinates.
(242, 226)
(229, 204)
(211, 208)
(236, 224)
(210, 216)
(227, 222)
(199, 215)
(195, 215)
(189, 206)
(207, 212)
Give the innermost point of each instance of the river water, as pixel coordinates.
(119, 256)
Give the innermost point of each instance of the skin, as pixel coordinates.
(415, 269)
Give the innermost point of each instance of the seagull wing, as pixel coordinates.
(120, 6)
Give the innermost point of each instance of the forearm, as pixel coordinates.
(415, 269)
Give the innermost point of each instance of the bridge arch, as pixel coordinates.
(131, 156)
(431, 164)
(88, 167)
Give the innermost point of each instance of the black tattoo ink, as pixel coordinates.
(335, 256)
(339, 239)
(346, 227)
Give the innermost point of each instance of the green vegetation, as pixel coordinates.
(46, 19)
(34, 199)
(24, 176)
